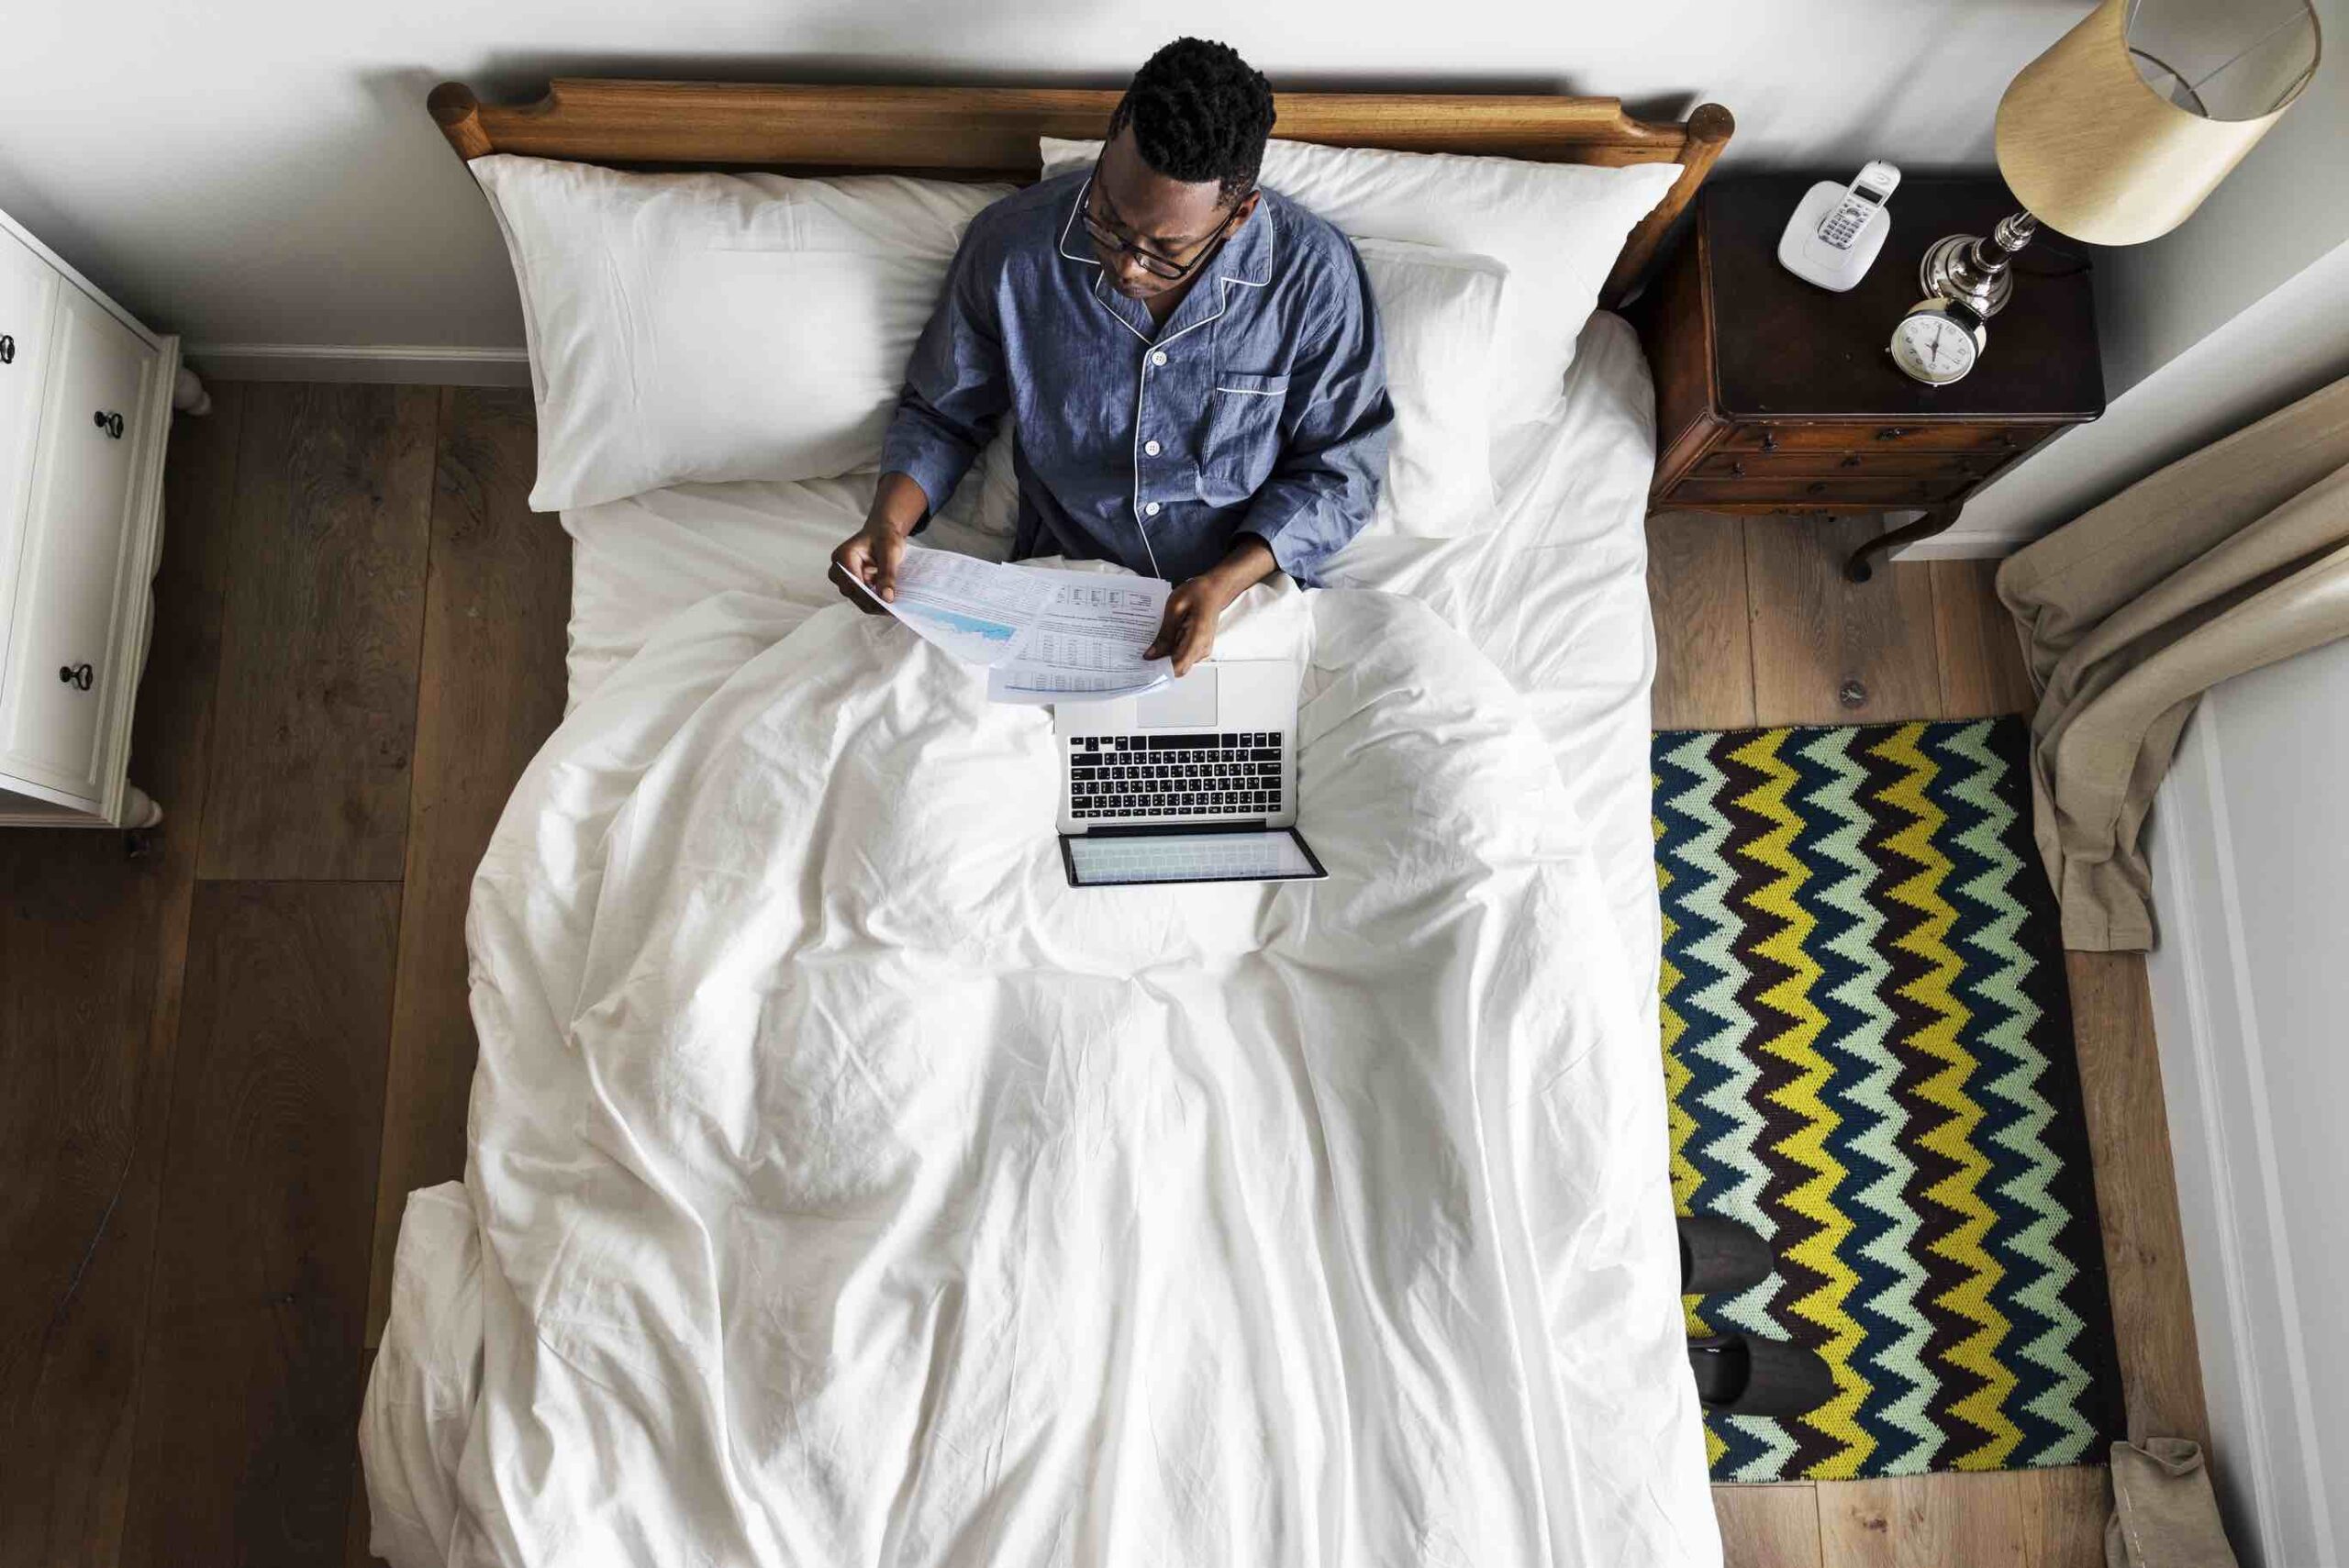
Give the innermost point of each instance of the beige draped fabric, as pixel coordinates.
(2164, 1514)
(2229, 558)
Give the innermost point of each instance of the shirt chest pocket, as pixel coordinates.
(1243, 435)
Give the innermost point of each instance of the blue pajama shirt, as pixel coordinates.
(1259, 407)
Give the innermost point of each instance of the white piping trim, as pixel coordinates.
(1082, 192)
(1115, 315)
(1150, 346)
(1252, 392)
(1141, 383)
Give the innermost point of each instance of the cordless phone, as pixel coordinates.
(1834, 235)
(1868, 191)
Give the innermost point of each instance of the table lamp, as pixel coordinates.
(2117, 133)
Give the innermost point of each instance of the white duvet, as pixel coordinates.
(845, 1189)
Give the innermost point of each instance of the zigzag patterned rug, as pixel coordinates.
(1868, 1039)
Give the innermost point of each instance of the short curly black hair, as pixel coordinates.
(1199, 112)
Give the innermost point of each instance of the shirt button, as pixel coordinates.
(1151, 447)
(1151, 508)
(1159, 358)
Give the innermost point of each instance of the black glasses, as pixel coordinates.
(1157, 266)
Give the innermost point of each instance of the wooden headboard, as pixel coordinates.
(989, 133)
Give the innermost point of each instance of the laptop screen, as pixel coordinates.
(1277, 854)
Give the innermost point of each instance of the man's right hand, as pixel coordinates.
(871, 554)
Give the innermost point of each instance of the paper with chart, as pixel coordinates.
(1089, 641)
(1043, 635)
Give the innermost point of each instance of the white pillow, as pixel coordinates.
(1437, 311)
(714, 327)
(1556, 226)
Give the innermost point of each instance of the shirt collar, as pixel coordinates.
(1246, 258)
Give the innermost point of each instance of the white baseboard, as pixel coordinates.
(1959, 543)
(410, 364)
(2216, 1081)
(1956, 546)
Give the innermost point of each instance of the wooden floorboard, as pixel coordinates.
(1924, 1521)
(248, 1398)
(1704, 669)
(357, 1525)
(2136, 1195)
(1768, 1527)
(491, 690)
(1820, 642)
(1982, 668)
(319, 666)
(2063, 1513)
(90, 955)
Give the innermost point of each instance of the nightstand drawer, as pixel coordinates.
(1840, 492)
(1849, 465)
(1854, 436)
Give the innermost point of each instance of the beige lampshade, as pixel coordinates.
(2090, 145)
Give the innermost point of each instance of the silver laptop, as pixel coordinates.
(1194, 782)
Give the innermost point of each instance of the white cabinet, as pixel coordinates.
(85, 396)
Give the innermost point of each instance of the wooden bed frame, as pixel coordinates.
(989, 133)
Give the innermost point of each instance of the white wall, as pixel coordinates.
(2284, 208)
(2251, 1010)
(264, 173)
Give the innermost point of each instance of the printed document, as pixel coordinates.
(1043, 635)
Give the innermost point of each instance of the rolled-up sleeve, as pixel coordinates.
(1336, 424)
(957, 386)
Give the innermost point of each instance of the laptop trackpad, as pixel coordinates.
(1187, 704)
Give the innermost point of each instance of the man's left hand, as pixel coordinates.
(1187, 635)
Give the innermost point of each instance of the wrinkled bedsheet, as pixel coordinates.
(846, 1189)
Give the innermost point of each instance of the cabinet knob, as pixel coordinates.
(1769, 442)
(7, 350)
(1891, 433)
(110, 423)
(1737, 470)
(1818, 487)
(77, 676)
(1849, 463)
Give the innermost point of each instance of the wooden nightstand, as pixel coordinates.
(1775, 395)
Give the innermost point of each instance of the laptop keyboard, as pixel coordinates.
(1224, 774)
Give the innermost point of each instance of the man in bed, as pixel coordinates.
(1192, 362)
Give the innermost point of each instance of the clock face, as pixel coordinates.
(1933, 348)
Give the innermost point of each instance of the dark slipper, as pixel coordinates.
(1719, 1254)
(1740, 1376)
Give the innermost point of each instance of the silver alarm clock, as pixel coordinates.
(1938, 342)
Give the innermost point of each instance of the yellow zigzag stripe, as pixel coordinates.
(1679, 1122)
(1814, 1198)
(1953, 1139)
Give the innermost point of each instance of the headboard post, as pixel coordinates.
(1709, 128)
(989, 133)
(458, 114)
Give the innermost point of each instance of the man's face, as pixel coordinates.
(1170, 218)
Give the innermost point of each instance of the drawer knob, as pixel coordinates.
(110, 423)
(1737, 469)
(1769, 442)
(77, 676)
(1891, 433)
(1817, 488)
(2006, 440)
(7, 350)
(1849, 463)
